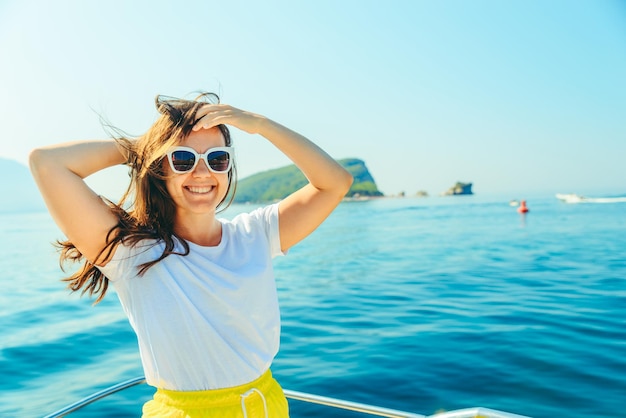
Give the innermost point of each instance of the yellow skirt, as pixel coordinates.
(260, 398)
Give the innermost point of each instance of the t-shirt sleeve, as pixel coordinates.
(267, 218)
(125, 261)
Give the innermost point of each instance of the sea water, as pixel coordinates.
(422, 305)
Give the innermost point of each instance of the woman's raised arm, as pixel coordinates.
(304, 210)
(81, 214)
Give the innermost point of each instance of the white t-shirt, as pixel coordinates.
(210, 319)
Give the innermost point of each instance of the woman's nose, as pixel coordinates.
(202, 169)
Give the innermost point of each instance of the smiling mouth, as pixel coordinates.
(199, 190)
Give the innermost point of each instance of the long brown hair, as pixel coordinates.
(146, 210)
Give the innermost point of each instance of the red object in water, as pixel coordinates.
(522, 207)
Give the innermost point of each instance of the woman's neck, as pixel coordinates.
(202, 230)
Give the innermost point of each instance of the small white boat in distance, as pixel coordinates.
(575, 198)
(570, 197)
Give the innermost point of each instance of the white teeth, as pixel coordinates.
(199, 189)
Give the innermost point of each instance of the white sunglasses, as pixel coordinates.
(185, 159)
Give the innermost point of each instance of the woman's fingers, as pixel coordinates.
(211, 115)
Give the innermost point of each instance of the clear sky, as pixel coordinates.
(514, 96)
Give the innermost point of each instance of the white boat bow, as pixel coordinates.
(306, 397)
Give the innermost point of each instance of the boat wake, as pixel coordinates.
(575, 198)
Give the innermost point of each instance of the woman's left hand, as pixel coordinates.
(211, 115)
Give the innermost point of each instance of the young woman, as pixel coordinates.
(198, 290)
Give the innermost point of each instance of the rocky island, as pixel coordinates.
(459, 189)
(273, 185)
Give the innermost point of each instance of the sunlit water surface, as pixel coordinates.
(421, 305)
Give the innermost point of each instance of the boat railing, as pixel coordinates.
(304, 397)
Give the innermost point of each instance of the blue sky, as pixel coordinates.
(515, 96)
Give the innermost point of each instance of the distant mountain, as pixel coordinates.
(20, 194)
(276, 184)
(18, 190)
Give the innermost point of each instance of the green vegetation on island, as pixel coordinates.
(272, 185)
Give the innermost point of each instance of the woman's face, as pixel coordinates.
(200, 190)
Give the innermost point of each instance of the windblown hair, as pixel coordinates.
(146, 210)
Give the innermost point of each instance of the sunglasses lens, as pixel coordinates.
(183, 161)
(219, 161)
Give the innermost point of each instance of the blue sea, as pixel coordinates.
(423, 305)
